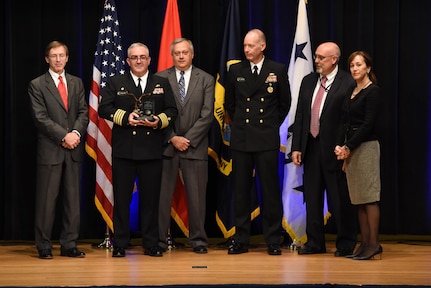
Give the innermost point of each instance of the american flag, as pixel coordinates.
(108, 61)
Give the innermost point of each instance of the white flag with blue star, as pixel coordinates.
(301, 64)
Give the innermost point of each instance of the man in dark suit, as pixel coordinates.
(187, 143)
(315, 149)
(60, 124)
(257, 101)
(137, 145)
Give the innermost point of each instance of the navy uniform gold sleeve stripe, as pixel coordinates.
(164, 119)
(118, 116)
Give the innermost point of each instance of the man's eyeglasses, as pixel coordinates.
(320, 57)
(142, 58)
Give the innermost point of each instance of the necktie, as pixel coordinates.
(182, 86)
(62, 90)
(255, 71)
(315, 110)
(139, 86)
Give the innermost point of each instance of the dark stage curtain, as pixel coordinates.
(395, 32)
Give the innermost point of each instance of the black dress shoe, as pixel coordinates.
(305, 250)
(119, 252)
(200, 249)
(343, 252)
(155, 251)
(274, 249)
(163, 246)
(45, 254)
(237, 248)
(72, 252)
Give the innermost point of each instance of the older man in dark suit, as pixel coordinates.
(137, 145)
(60, 114)
(257, 101)
(313, 144)
(187, 143)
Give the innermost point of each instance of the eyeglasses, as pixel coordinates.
(142, 57)
(55, 56)
(321, 58)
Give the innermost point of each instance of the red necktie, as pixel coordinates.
(315, 110)
(62, 90)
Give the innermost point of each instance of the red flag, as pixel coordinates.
(172, 30)
(179, 209)
(108, 61)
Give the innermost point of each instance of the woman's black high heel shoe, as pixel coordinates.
(357, 252)
(379, 251)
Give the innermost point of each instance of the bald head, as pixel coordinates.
(326, 57)
(256, 34)
(254, 45)
(330, 48)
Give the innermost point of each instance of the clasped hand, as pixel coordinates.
(341, 152)
(144, 122)
(71, 141)
(180, 143)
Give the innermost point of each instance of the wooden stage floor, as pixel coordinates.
(406, 261)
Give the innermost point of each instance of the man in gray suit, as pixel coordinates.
(187, 143)
(60, 124)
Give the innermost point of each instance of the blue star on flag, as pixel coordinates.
(298, 51)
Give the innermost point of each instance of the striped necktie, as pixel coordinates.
(182, 86)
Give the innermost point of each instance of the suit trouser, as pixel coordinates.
(266, 164)
(195, 175)
(148, 175)
(51, 181)
(318, 178)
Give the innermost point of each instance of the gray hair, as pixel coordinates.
(179, 40)
(137, 44)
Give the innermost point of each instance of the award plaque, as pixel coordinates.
(144, 108)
